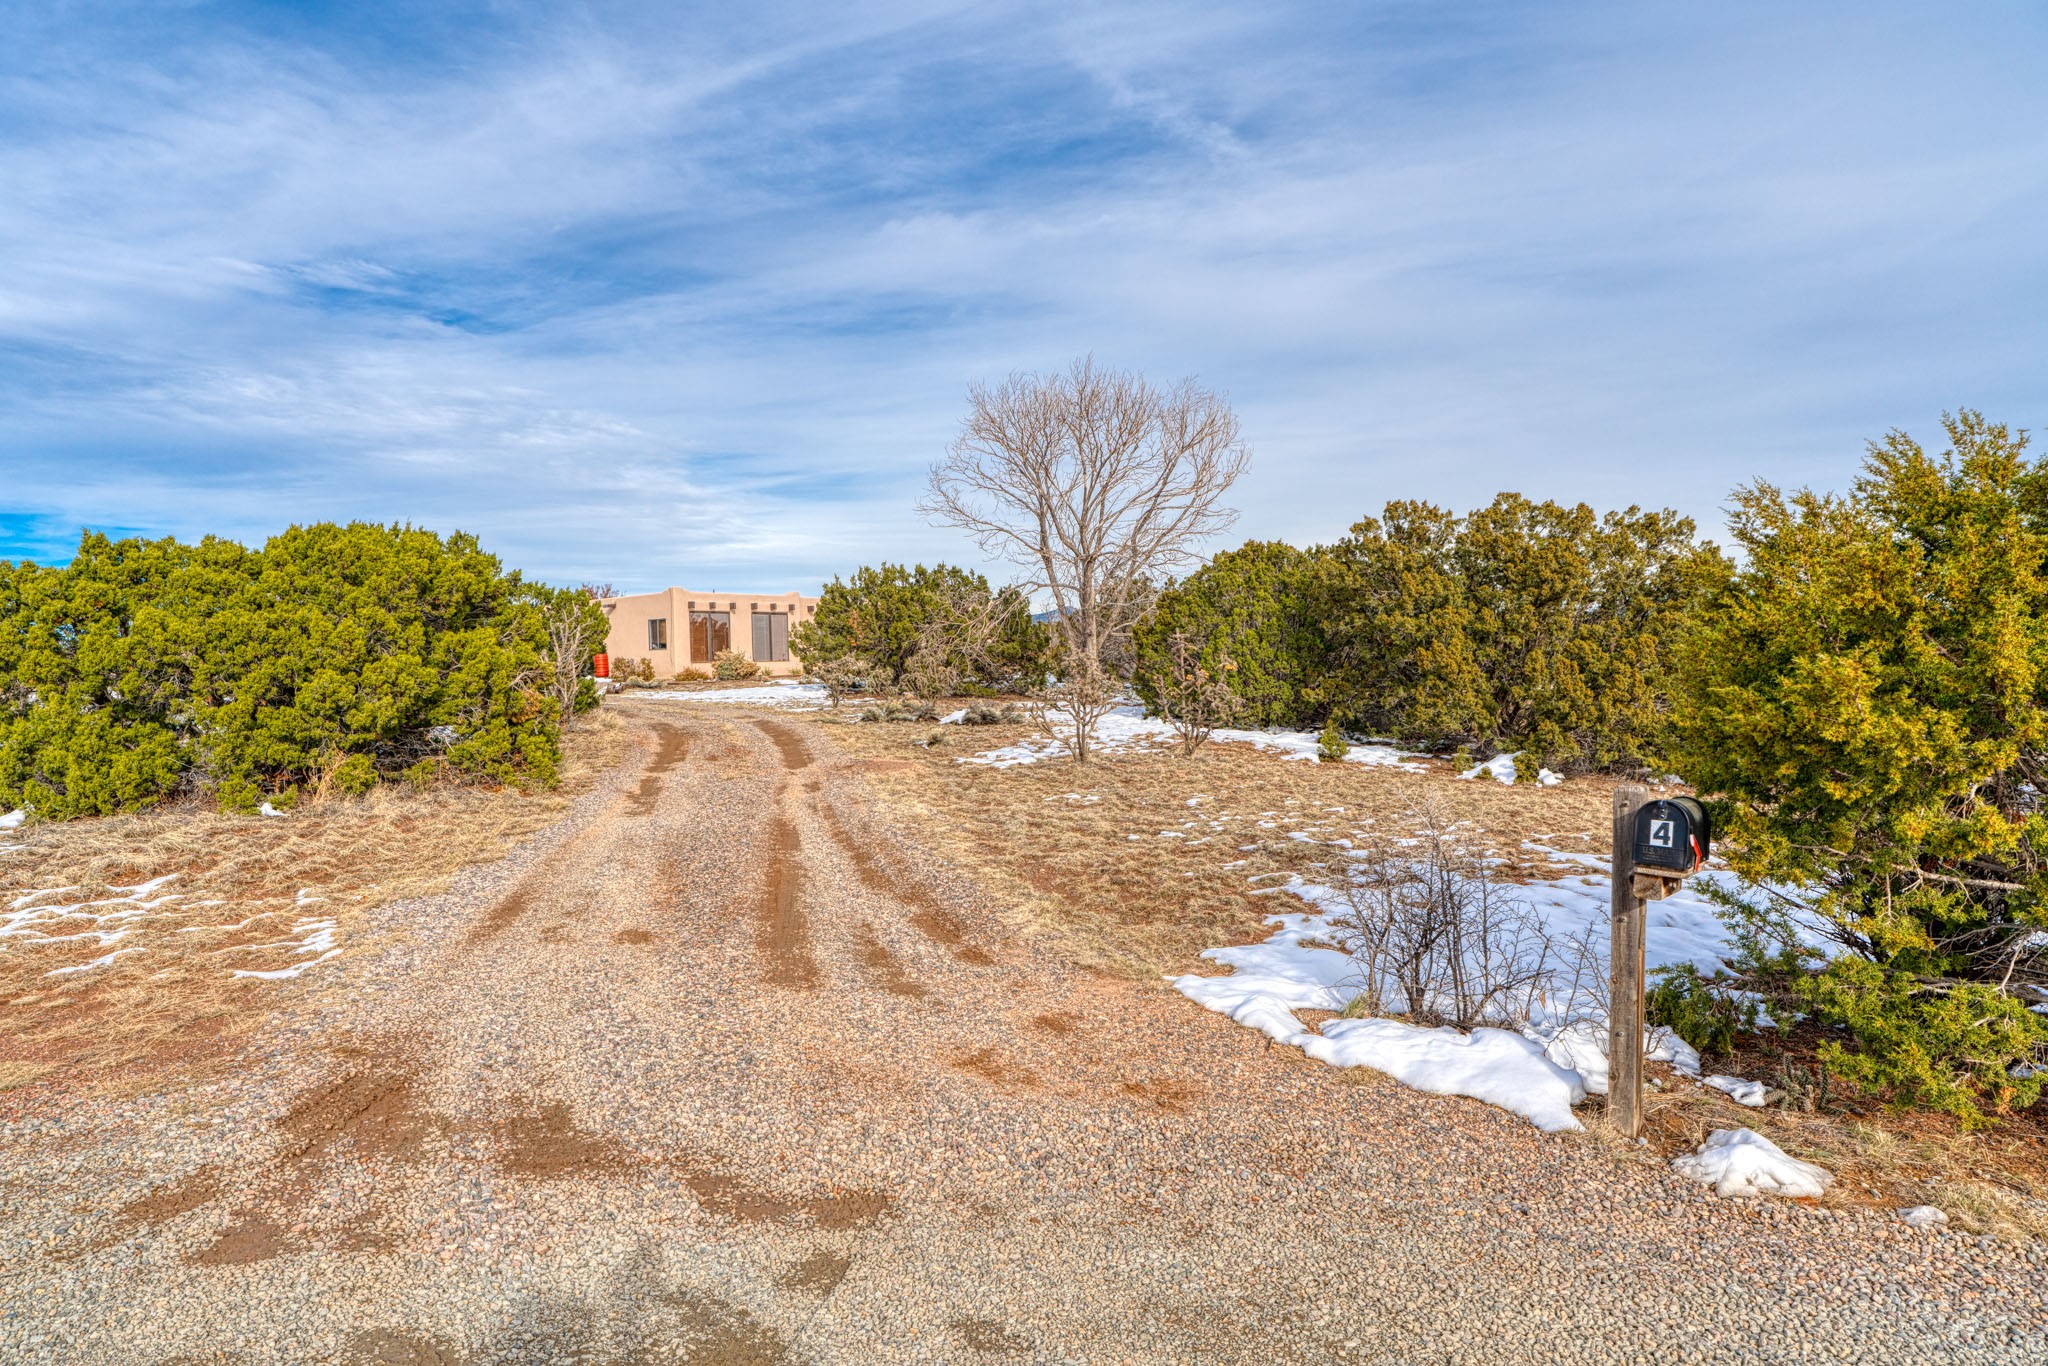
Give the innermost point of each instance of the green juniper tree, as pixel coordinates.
(1251, 608)
(330, 659)
(1869, 702)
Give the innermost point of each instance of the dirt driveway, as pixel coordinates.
(724, 1070)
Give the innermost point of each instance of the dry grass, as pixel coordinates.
(1142, 906)
(1146, 906)
(237, 888)
(1992, 1182)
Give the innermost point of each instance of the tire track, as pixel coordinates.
(784, 935)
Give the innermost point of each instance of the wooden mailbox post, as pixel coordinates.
(1657, 845)
(1625, 960)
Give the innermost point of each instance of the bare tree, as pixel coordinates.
(576, 626)
(1097, 485)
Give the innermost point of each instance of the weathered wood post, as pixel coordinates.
(1625, 958)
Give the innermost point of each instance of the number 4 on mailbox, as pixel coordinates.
(1673, 837)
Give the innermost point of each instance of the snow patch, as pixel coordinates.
(13, 819)
(1744, 1162)
(1750, 1093)
(1493, 1065)
(1127, 729)
(1501, 768)
(268, 810)
(790, 696)
(318, 939)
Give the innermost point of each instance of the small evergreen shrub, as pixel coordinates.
(1705, 1016)
(731, 665)
(1331, 746)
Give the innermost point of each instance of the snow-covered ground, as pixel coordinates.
(1127, 729)
(1559, 1058)
(788, 695)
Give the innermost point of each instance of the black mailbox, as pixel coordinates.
(1673, 836)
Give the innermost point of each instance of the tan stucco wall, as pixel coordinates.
(631, 612)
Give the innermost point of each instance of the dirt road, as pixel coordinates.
(724, 1070)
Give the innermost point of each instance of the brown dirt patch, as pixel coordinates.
(722, 1334)
(671, 747)
(990, 1066)
(168, 1202)
(378, 1113)
(1055, 1022)
(254, 1237)
(784, 936)
(390, 1347)
(820, 1273)
(876, 958)
(545, 1144)
(643, 799)
(504, 915)
(1162, 1093)
(795, 753)
(728, 1195)
(988, 1337)
(633, 936)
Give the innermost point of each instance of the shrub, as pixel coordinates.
(692, 675)
(1247, 616)
(731, 664)
(889, 614)
(1964, 1047)
(1867, 705)
(1191, 698)
(628, 671)
(1435, 937)
(1331, 746)
(1520, 626)
(1705, 1015)
(147, 668)
(841, 675)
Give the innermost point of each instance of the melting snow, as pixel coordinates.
(1126, 729)
(1744, 1162)
(1750, 1093)
(1501, 768)
(793, 696)
(319, 939)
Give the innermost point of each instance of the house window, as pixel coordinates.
(771, 637)
(710, 632)
(657, 634)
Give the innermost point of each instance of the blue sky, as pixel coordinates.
(694, 294)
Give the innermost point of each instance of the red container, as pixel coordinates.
(602, 666)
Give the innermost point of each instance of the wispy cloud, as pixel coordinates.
(653, 300)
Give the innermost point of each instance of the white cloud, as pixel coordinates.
(650, 302)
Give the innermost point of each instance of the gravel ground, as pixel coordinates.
(721, 1069)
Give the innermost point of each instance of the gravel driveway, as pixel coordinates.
(721, 1069)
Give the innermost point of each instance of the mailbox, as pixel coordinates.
(1673, 836)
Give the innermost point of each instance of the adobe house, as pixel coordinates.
(675, 629)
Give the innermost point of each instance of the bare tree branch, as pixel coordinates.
(1096, 485)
